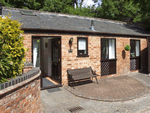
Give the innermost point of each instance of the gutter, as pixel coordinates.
(91, 32)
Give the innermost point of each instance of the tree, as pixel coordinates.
(89, 12)
(117, 9)
(28, 4)
(57, 5)
(144, 12)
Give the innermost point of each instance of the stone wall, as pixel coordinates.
(23, 97)
(70, 60)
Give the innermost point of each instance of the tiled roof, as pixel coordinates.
(55, 21)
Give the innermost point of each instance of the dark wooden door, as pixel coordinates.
(108, 64)
(135, 55)
(56, 59)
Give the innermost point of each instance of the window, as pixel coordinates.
(135, 48)
(108, 48)
(36, 52)
(82, 47)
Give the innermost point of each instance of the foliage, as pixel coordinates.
(117, 9)
(30, 4)
(139, 10)
(89, 12)
(144, 11)
(57, 5)
(12, 52)
(127, 47)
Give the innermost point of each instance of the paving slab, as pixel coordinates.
(59, 100)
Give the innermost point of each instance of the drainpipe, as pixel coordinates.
(148, 43)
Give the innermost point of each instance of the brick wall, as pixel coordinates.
(23, 99)
(70, 60)
(27, 68)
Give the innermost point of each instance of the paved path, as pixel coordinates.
(112, 89)
(59, 100)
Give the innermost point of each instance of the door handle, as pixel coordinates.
(59, 59)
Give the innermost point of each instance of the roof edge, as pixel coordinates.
(95, 32)
(69, 15)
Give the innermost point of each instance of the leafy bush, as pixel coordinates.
(12, 52)
(127, 47)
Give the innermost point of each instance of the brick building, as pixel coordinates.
(58, 42)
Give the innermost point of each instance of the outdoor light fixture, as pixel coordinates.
(70, 41)
(1, 9)
(70, 44)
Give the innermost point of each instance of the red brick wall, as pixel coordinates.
(70, 60)
(28, 44)
(23, 99)
(27, 68)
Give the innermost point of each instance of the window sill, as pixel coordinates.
(82, 55)
(134, 57)
(108, 60)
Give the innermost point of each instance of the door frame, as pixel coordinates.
(60, 63)
(109, 61)
(139, 57)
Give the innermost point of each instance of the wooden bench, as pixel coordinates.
(80, 74)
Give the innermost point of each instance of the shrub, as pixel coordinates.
(127, 47)
(12, 52)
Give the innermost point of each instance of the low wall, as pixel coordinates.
(23, 97)
(27, 68)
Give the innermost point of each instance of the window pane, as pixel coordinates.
(132, 51)
(137, 48)
(82, 52)
(104, 49)
(111, 48)
(36, 53)
(82, 44)
(82, 47)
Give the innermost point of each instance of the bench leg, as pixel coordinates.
(96, 80)
(92, 79)
(74, 84)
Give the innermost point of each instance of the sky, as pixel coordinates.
(87, 3)
(90, 3)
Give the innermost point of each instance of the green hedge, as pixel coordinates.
(12, 52)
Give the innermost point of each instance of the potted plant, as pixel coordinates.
(127, 47)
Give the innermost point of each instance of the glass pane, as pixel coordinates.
(111, 49)
(104, 51)
(132, 51)
(82, 52)
(36, 52)
(137, 48)
(82, 44)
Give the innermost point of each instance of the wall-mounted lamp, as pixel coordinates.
(70, 44)
(70, 41)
